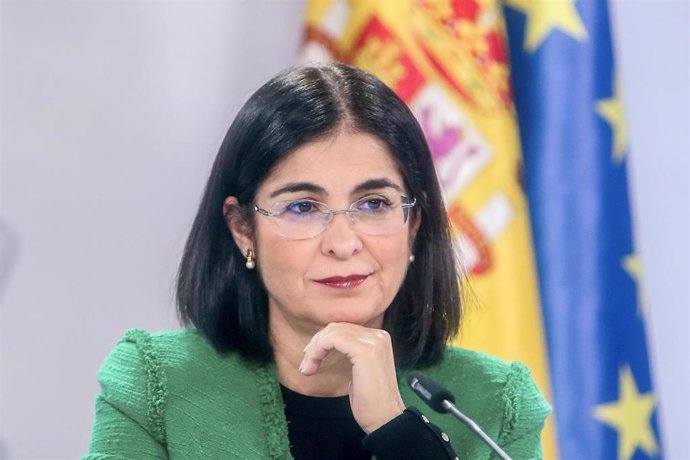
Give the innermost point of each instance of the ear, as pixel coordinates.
(241, 229)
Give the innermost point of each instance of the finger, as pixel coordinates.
(313, 357)
(318, 348)
(351, 340)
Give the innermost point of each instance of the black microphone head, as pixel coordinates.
(429, 391)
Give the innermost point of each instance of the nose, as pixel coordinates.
(339, 238)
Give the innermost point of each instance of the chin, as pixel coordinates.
(356, 315)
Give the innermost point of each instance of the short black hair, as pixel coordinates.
(228, 303)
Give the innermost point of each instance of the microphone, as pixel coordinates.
(441, 400)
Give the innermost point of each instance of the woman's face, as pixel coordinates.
(341, 274)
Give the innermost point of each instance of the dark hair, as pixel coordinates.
(228, 303)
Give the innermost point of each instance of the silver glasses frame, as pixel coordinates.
(405, 205)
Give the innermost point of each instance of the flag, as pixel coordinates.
(448, 59)
(575, 144)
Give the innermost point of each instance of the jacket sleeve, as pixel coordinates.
(525, 411)
(410, 435)
(129, 409)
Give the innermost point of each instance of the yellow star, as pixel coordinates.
(631, 417)
(633, 267)
(611, 110)
(544, 15)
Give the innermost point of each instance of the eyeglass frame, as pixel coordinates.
(332, 212)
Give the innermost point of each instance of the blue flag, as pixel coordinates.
(575, 144)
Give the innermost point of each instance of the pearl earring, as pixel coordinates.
(411, 258)
(251, 262)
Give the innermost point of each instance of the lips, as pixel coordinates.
(343, 282)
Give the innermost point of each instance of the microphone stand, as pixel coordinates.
(450, 407)
(441, 400)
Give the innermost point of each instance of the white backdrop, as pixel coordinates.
(112, 112)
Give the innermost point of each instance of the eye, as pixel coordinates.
(374, 204)
(301, 207)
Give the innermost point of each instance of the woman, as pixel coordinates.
(318, 272)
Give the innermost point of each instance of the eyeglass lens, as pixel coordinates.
(375, 215)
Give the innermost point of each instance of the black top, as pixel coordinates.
(324, 428)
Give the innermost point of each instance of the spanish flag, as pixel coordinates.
(449, 61)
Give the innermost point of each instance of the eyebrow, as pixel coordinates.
(367, 185)
(299, 187)
(373, 184)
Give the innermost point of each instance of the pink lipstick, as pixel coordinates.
(343, 282)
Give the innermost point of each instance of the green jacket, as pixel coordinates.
(171, 395)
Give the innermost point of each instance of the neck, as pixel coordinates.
(332, 379)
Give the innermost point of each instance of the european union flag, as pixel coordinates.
(574, 148)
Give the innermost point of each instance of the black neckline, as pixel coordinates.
(316, 406)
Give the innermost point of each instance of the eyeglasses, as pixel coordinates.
(371, 215)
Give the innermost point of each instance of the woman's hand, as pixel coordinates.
(374, 395)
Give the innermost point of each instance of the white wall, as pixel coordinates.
(111, 115)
